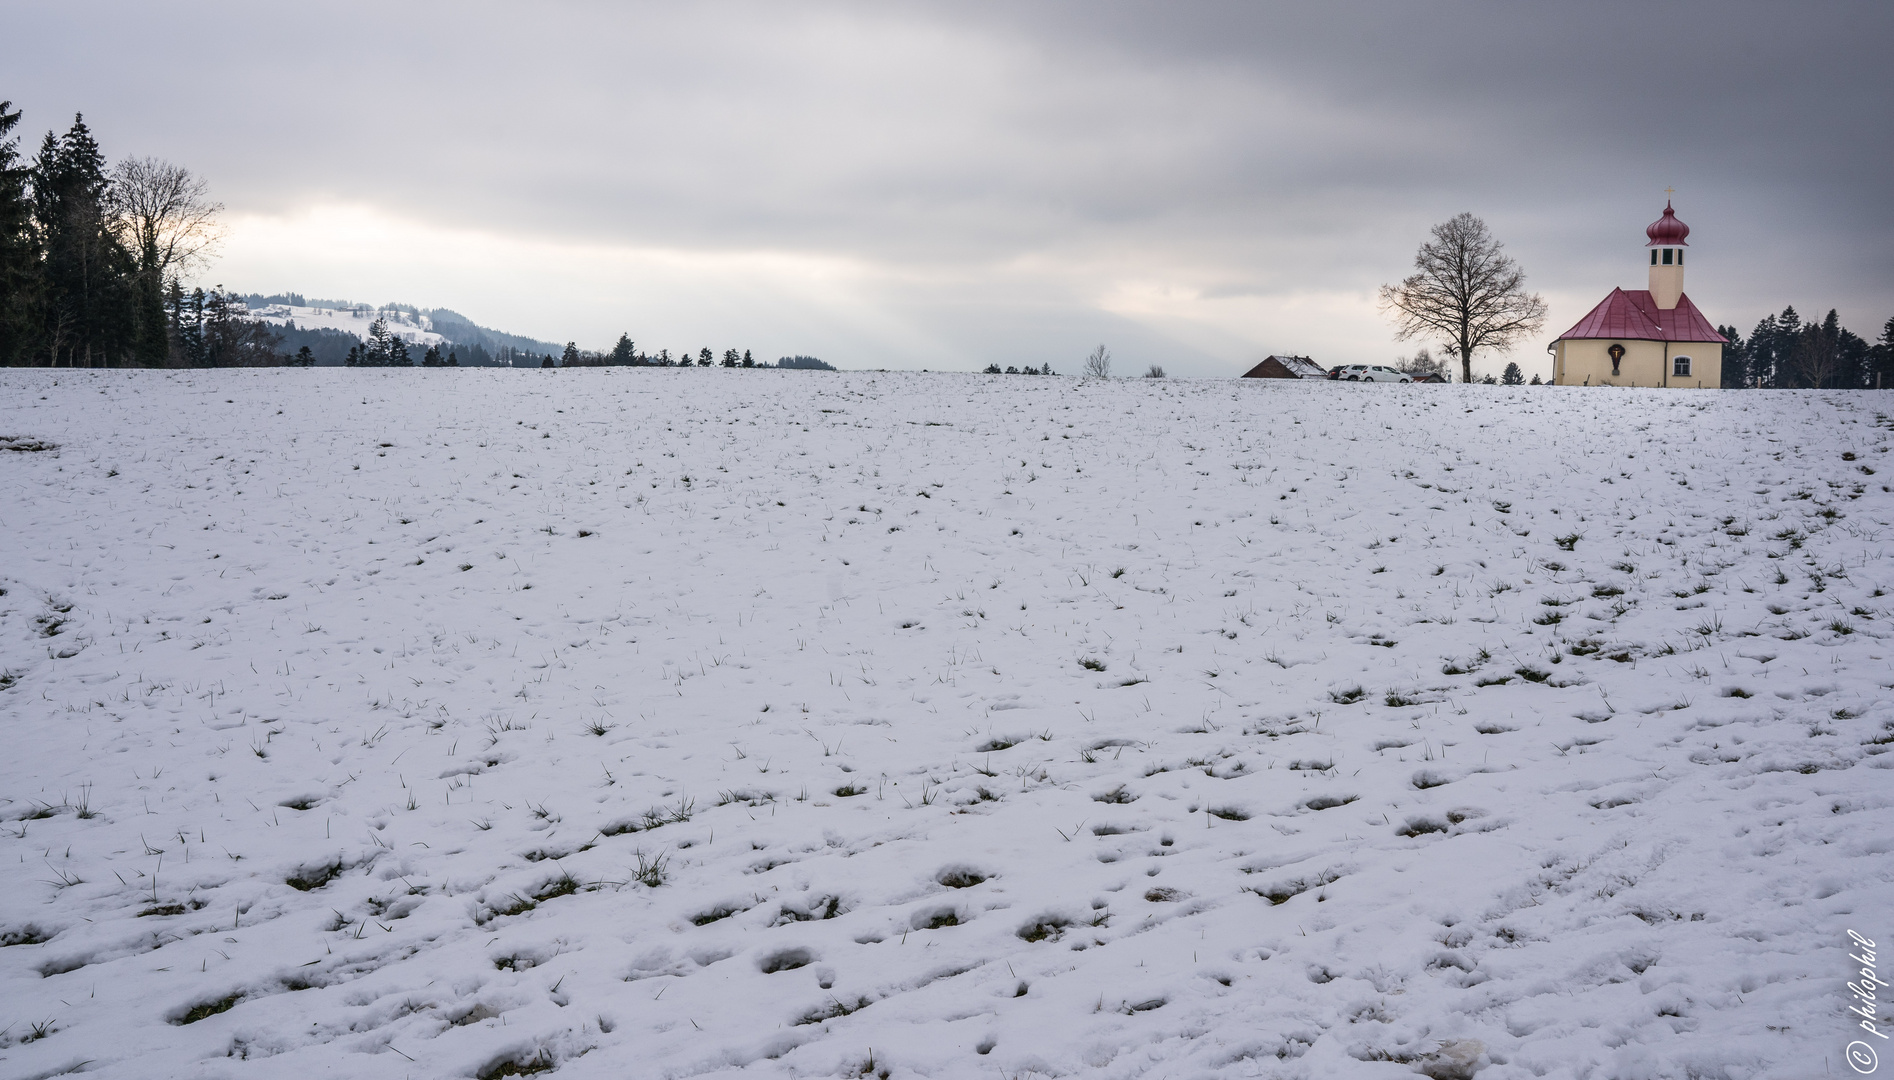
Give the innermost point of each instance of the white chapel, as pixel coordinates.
(1645, 337)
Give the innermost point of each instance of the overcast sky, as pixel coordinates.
(943, 185)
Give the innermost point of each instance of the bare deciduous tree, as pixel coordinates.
(1423, 363)
(1815, 361)
(165, 216)
(1098, 365)
(1467, 290)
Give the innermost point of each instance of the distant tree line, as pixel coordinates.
(627, 354)
(994, 369)
(1783, 352)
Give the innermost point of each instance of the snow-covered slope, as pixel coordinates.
(704, 723)
(415, 329)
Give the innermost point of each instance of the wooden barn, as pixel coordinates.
(1286, 367)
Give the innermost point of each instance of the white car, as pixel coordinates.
(1368, 373)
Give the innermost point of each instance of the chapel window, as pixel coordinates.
(1680, 365)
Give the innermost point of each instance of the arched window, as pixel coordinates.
(1679, 365)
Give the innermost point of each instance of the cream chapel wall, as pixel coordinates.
(1587, 361)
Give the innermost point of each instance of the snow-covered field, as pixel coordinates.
(654, 723)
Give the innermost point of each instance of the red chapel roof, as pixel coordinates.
(1633, 315)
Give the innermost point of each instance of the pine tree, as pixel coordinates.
(375, 351)
(1735, 358)
(191, 331)
(217, 329)
(174, 322)
(398, 352)
(151, 341)
(704, 358)
(1512, 375)
(354, 357)
(88, 307)
(571, 355)
(747, 362)
(1881, 358)
(452, 360)
(623, 353)
(303, 358)
(20, 280)
(1761, 352)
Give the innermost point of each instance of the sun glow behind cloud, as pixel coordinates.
(776, 302)
(555, 288)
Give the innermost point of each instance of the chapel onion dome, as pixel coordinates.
(1667, 231)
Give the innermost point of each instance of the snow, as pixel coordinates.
(347, 708)
(415, 329)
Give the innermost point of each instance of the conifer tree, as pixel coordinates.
(747, 362)
(191, 330)
(1881, 358)
(174, 320)
(623, 353)
(704, 358)
(398, 352)
(375, 351)
(20, 284)
(571, 356)
(87, 313)
(432, 357)
(303, 358)
(217, 328)
(1512, 375)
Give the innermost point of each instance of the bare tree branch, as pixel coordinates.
(1467, 291)
(164, 216)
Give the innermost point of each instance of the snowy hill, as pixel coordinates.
(646, 722)
(415, 329)
(313, 321)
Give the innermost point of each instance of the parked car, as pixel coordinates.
(1368, 373)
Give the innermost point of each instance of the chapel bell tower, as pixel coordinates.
(1667, 258)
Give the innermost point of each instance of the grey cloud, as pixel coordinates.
(1233, 150)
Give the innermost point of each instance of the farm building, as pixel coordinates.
(1286, 367)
